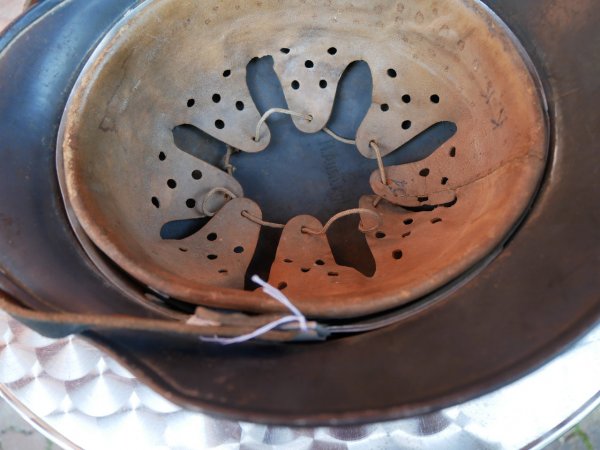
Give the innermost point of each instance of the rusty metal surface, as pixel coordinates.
(125, 178)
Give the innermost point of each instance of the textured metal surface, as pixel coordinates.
(430, 63)
(81, 397)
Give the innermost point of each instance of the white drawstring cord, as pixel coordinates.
(275, 293)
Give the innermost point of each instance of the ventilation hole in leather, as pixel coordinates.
(422, 145)
(284, 50)
(309, 64)
(406, 98)
(353, 99)
(332, 50)
(281, 286)
(295, 85)
(216, 98)
(406, 124)
(212, 256)
(191, 102)
(380, 235)
(392, 73)
(385, 107)
(219, 124)
(436, 220)
(444, 180)
(199, 144)
(397, 254)
(190, 203)
(239, 105)
(171, 183)
(408, 221)
(155, 202)
(424, 172)
(181, 229)
(305, 269)
(162, 156)
(196, 174)
(426, 207)
(211, 236)
(349, 246)
(435, 98)
(452, 152)
(323, 84)
(238, 249)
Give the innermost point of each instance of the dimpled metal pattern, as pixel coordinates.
(83, 398)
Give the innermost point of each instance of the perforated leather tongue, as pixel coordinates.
(426, 208)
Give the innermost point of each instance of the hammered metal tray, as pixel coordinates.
(82, 398)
